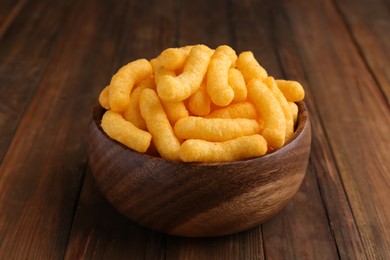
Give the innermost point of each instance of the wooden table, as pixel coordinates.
(55, 57)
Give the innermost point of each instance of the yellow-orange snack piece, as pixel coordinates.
(294, 111)
(132, 112)
(179, 88)
(117, 128)
(199, 103)
(160, 71)
(123, 81)
(244, 147)
(103, 98)
(174, 110)
(237, 83)
(250, 67)
(271, 83)
(215, 129)
(158, 125)
(271, 112)
(174, 58)
(292, 90)
(236, 110)
(218, 88)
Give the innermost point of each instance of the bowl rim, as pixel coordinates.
(302, 123)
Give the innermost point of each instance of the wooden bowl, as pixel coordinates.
(198, 199)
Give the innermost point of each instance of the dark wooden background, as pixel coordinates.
(55, 57)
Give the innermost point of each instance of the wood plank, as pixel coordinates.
(99, 231)
(203, 22)
(290, 233)
(338, 210)
(301, 230)
(9, 10)
(25, 51)
(369, 23)
(251, 21)
(42, 171)
(351, 107)
(244, 245)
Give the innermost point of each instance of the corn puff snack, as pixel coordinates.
(174, 110)
(272, 113)
(237, 83)
(125, 132)
(123, 81)
(158, 125)
(199, 103)
(221, 93)
(236, 110)
(160, 71)
(133, 113)
(195, 150)
(250, 67)
(195, 104)
(179, 88)
(103, 98)
(215, 129)
(271, 83)
(174, 58)
(292, 90)
(294, 111)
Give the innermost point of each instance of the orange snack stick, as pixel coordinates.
(236, 110)
(250, 67)
(294, 111)
(199, 102)
(218, 88)
(103, 98)
(292, 90)
(270, 111)
(174, 110)
(271, 83)
(117, 128)
(123, 81)
(158, 125)
(174, 58)
(237, 83)
(179, 88)
(215, 129)
(160, 71)
(132, 112)
(244, 147)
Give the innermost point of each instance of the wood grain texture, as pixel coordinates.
(338, 211)
(354, 113)
(256, 15)
(25, 51)
(146, 29)
(55, 56)
(100, 232)
(369, 23)
(198, 199)
(211, 23)
(9, 10)
(244, 245)
(212, 17)
(286, 229)
(42, 171)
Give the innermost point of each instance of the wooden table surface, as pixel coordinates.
(55, 57)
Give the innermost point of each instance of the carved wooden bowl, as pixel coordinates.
(198, 199)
